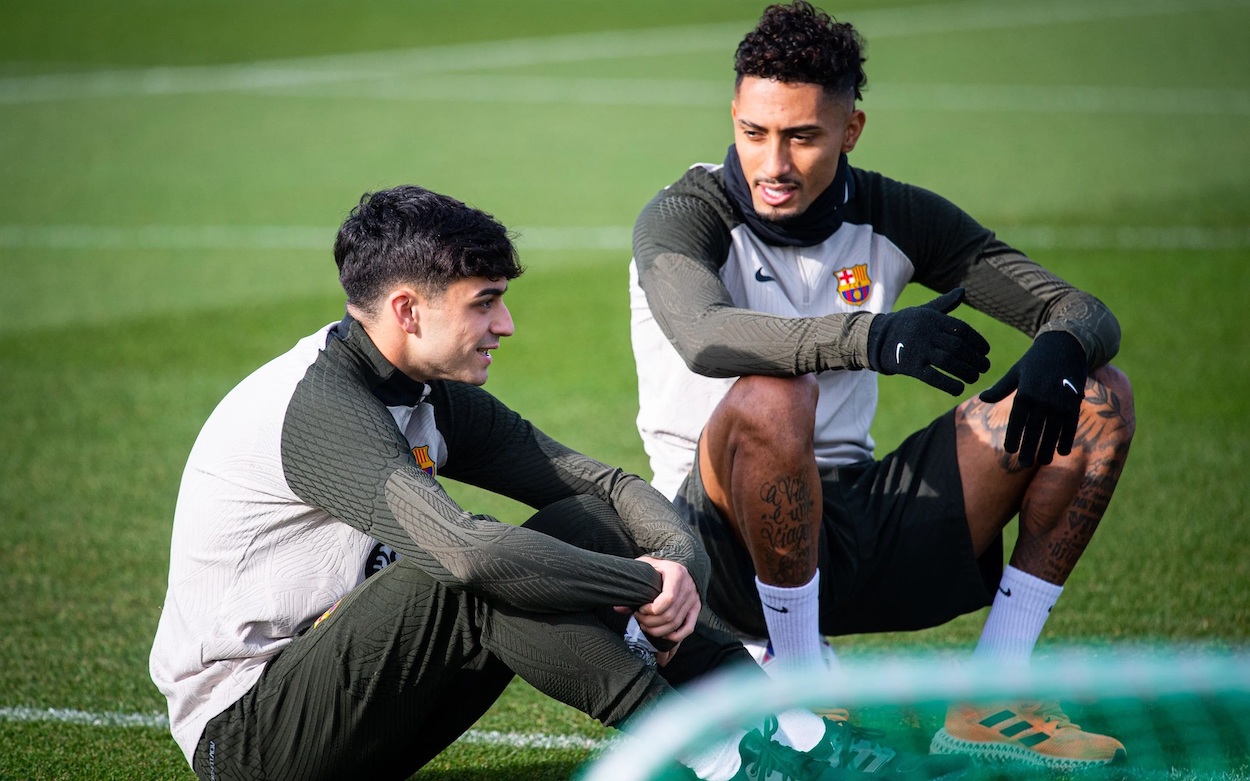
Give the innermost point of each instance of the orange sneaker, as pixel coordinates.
(1035, 733)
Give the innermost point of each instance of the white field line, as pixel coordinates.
(610, 238)
(614, 44)
(70, 716)
(161, 721)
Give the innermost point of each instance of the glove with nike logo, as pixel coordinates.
(1049, 381)
(921, 340)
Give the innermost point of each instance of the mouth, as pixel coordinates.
(776, 194)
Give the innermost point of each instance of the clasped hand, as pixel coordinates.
(672, 615)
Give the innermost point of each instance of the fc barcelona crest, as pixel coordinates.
(424, 462)
(854, 284)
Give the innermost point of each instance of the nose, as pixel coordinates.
(502, 324)
(777, 162)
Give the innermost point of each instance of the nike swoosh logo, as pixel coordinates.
(760, 276)
(778, 609)
(1006, 592)
(898, 353)
(1068, 384)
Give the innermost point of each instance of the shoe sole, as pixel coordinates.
(945, 743)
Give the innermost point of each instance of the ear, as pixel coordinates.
(854, 127)
(403, 304)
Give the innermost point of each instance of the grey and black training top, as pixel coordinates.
(712, 301)
(322, 466)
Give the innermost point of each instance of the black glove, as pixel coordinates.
(920, 340)
(1049, 380)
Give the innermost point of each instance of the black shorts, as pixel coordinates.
(895, 551)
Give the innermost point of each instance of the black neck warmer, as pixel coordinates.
(389, 385)
(814, 225)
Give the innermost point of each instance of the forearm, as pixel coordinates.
(717, 339)
(647, 515)
(495, 449)
(515, 565)
(1015, 290)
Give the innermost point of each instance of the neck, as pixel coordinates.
(821, 219)
(389, 338)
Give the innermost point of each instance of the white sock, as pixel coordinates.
(793, 619)
(799, 729)
(1019, 612)
(719, 761)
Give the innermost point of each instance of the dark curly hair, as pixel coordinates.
(801, 44)
(412, 235)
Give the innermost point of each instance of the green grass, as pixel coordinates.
(113, 351)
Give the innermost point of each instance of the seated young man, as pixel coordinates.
(331, 611)
(762, 297)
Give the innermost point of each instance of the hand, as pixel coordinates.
(671, 616)
(662, 658)
(1049, 381)
(921, 340)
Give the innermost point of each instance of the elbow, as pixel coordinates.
(1113, 336)
(708, 360)
(1106, 333)
(466, 575)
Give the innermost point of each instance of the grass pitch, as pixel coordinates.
(174, 175)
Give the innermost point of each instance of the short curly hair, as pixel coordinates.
(801, 44)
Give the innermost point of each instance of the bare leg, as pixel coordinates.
(1061, 504)
(1060, 507)
(758, 468)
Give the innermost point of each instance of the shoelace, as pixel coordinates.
(1051, 713)
(772, 757)
(861, 739)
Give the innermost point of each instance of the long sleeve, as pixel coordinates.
(343, 453)
(681, 239)
(1015, 290)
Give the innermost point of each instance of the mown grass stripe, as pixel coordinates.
(577, 47)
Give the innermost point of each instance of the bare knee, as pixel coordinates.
(762, 429)
(1108, 410)
(774, 412)
(765, 481)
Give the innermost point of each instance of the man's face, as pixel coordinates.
(789, 138)
(458, 330)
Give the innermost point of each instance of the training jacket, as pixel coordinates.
(321, 467)
(711, 301)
